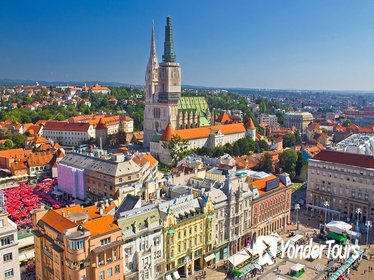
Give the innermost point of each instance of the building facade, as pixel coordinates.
(82, 176)
(9, 260)
(68, 134)
(232, 223)
(345, 181)
(271, 205)
(300, 120)
(188, 234)
(143, 246)
(78, 243)
(210, 137)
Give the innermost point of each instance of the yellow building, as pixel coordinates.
(188, 239)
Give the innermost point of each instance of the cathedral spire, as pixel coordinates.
(151, 75)
(169, 55)
(153, 55)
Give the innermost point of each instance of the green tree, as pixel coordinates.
(289, 140)
(297, 137)
(287, 161)
(262, 146)
(299, 163)
(266, 164)
(178, 148)
(347, 123)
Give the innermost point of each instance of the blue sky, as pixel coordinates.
(326, 44)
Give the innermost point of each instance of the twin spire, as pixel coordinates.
(153, 55)
(169, 55)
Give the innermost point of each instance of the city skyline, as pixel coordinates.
(258, 45)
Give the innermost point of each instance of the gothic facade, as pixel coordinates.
(164, 103)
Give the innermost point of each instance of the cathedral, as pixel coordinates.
(164, 104)
(168, 113)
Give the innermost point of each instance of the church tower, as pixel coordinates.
(162, 91)
(151, 74)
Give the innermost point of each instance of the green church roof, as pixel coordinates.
(195, 103)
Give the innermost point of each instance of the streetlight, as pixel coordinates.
(358, 212)
(297, 207)
(326, 204)
(368, 224)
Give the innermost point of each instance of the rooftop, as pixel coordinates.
(358, 160)
(357, 144)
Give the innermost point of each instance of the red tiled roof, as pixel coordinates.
(40, 159)
(346, 158)
(151, 159)
(201, 132)
(260, 184)
(168, 133)
(15, 153)
(65, 126)
(250, 123)
(223, 118)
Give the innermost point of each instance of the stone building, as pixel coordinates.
(188, 234)
(300, 120)
(143, 246)
(232, 224)
(210, 137)
(345, 181)
(81, 176)
(164, 103)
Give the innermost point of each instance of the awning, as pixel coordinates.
(298, 267)
(238, 258)
(168, 277)
(176, 275)
(338, 226)
(210, 257)
(26, 256)
(336, 236)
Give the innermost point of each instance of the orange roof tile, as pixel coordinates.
(250, 123)
(101, 225)
(65, 126)
(223, 118)
(18, 166)
(151, 159)
(40, 159)
(58, 222)
(15, 153)
(260, 184)
(168, 133)
(202, 132)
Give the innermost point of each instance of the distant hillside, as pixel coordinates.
(13, 82)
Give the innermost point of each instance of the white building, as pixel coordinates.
(143, 253)
(209, 137)
(9, 259)
(69, 134)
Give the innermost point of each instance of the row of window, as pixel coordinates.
(109, 272)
